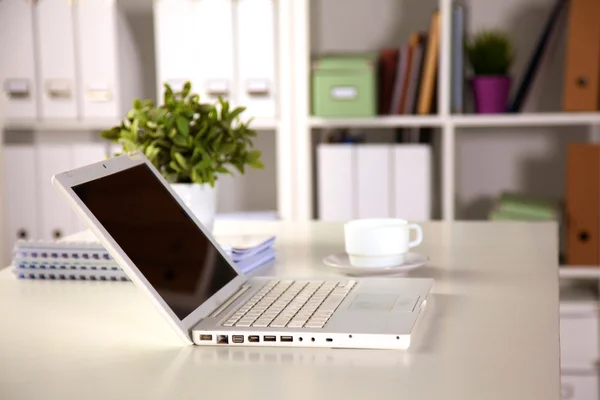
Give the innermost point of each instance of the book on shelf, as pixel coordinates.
(91, 261)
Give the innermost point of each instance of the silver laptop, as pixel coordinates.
(169, 255)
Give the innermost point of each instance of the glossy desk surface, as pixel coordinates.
(490, 330)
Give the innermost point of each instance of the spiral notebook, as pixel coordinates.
(91, 261)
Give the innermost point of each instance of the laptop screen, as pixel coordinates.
(156, 233)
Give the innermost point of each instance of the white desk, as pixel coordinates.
(490, 331)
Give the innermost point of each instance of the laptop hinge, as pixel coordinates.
(229, 301)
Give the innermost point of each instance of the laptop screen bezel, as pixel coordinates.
(65, 182)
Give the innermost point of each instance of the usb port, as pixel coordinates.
(237, 338)
(269, 338)
(286, 339)
(205, 337)
(254, 338)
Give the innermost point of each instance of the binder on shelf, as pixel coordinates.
(430, 67)
(255, 44)
(412, 182)
(17, 69)
(582, 70)
(373, 181)
(336, 177)
(216, 74)
(56, 59)
(20, 214)
(56, 219)
(109, 66)
(582, 204)
(174, 27)
(458, 57)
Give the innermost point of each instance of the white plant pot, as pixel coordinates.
(201, 199)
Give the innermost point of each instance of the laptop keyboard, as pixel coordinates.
(292, 304)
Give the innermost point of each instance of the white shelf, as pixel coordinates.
(263, 124)
(377, 122)
(522, 120)
(579, 272)
(59, 125)
(99, 125)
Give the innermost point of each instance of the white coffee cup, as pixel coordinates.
(380, 242)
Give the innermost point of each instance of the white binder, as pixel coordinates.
(412, 182)
(17, 65)
(56, 217)
(179, 44)
(215, 67)
(96, 30)
(56, 59)
(83, 154)
(373, 173)
(256, 32)
(20, 198)
(336, 182)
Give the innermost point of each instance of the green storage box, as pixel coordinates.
(345, 85)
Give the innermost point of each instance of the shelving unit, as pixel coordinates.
(451, 129)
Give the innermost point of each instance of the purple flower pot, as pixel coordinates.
(491, 94)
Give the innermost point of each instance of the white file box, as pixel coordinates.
(255, 44)
(56, 59)
(55, 215)
(374, 181)
(20, 214)
(336, 185)
(373, 184)
(216, 68)
(109, 65)
(177, 44)
(412, 178)
(17, 66)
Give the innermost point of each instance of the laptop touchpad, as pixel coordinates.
(373, 302)
(383, 302)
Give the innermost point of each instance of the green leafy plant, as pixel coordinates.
(490, 52)
(186, 140)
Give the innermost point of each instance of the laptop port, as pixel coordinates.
(237, 338)
(223, 339)
(269, 338)
(254, 338)
(205, 337)
(286, 339)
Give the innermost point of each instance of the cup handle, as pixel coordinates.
(419, 231)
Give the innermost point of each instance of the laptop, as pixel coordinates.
(198, 289)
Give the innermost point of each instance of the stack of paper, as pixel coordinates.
(249, 252)
(91, 261)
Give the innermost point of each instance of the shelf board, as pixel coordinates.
(99, 125)
(534, 119)
(59, 125)
(579, 272)
(377, 122)
(263, 124)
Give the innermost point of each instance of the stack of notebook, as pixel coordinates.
(91, 261)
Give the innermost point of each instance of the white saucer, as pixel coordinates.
(341, 262)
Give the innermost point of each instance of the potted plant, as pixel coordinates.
(190, 143)
(490, 54)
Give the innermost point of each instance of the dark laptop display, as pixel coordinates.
(156, 233)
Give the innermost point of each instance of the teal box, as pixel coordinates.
(345, 85)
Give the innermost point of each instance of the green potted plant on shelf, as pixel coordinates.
(490, 54)
(190, 143)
